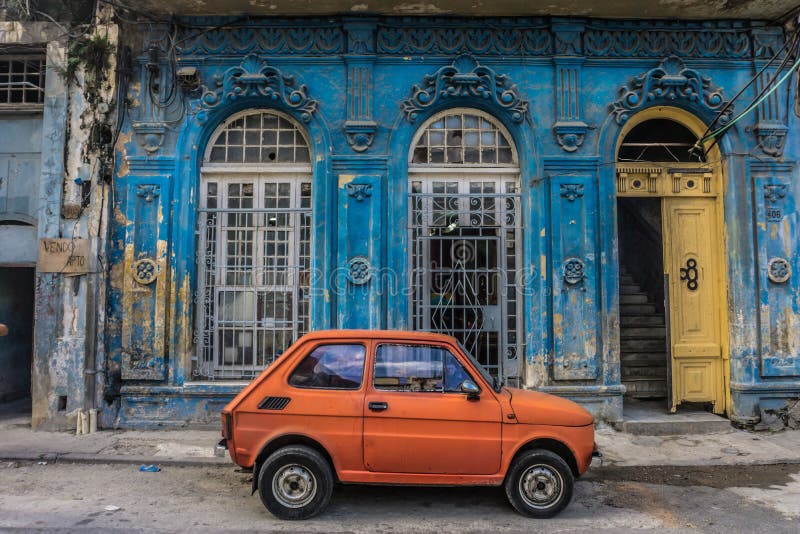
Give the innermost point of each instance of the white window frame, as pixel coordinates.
(259, 175)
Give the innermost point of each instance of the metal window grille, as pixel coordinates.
(22, 81)
(254, 248)
(464, 235)
(464, 261)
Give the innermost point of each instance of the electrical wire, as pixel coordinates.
(730, 102)
(760, 97)
(715, 136)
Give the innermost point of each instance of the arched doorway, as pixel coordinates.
(254, 244)
(671, 249)
(465, 236)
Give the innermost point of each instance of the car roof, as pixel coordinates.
(378, 334)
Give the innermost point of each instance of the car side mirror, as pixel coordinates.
(471, 389)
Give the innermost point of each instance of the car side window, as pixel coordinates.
(454, 374)
(331, 367)
(409, 368)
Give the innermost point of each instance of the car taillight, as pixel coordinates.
(227, 425)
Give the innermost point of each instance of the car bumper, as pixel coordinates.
(597, 457)
(221, 448)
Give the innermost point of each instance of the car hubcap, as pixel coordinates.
(540, 486)
(294, 486)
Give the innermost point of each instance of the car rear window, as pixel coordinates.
(331, 367)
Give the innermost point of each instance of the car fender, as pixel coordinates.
(570, 437)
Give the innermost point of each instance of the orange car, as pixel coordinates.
(390, 407)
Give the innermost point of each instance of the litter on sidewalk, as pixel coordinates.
(152, 468)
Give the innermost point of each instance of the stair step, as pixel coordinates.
(638, 374)
(641, 320)
(632, 309)
(630, 289)
(653, 419)
(641, 345)
(643, 359)
(643, 332)
(648, 388)
(626, 279)
(633, 299)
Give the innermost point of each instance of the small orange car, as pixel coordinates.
(391, 407)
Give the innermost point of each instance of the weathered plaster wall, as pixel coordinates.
(563, 88)
(69, 321)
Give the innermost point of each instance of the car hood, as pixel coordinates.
(536, 408)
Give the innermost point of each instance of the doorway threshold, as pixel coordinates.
(651, 418)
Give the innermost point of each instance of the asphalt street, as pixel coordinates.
(64, 497)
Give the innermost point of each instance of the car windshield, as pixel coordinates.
(484, 373)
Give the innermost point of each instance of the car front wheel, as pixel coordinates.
(295, 482)
(539, 483)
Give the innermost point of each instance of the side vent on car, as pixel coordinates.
(274, 403)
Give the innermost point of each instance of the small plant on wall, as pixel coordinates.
(91, 55)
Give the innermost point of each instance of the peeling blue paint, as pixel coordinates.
(571, 341)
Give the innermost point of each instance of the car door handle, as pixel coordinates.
(378, 406)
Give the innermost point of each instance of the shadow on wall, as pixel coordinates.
(16, 313)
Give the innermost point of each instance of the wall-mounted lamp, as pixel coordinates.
(188, 78)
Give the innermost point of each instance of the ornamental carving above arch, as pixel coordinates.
(254, 77)
(465, 78)
(670, 83)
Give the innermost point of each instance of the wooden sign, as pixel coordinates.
(68, 256)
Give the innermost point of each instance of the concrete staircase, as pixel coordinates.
(643, 342)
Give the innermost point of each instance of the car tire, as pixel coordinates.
(539, 483)
(295, 482)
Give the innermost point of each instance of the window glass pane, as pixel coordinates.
(266, 139)
(462, 138)
(409, 368)
(454, 374)
(331, 367)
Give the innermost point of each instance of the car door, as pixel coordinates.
(417, 421)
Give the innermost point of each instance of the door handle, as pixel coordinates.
(378, 406)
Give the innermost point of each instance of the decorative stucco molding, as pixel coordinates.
(359, 270)
(303, 39)
(774, 192)
(574, 271)
(571, 191)
(450, 37)
(520, 37)
(150, 135)
(144, 271)
(771, 137)
(670, 82)
(466, 78)
(779, 270)
(359, 191)
(707, 39)
(254, 77)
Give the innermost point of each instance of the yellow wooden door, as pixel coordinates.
(692, 245)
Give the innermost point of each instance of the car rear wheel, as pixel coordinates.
(295, 482)
(539, 483)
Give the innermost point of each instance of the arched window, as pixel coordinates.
(258, 137)
(659, 140)
(463, 138)
(465, 235)
(254, 244)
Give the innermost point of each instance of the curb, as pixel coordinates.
(689, 465)
(81, 458)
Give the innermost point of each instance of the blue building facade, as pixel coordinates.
(462, 175)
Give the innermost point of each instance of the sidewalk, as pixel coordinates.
(195, 447)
